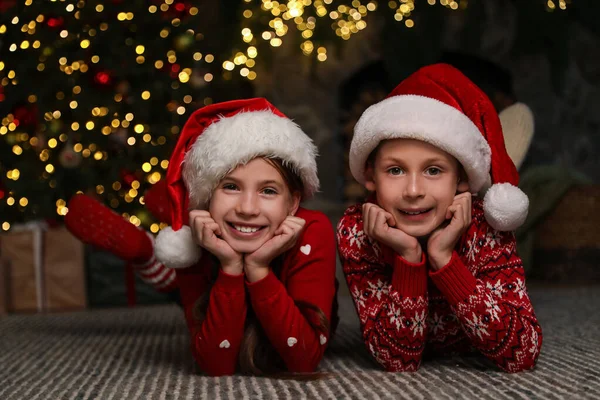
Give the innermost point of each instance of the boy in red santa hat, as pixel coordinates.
(430, 259)
(255, 271)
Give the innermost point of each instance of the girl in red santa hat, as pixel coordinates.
(255, 272)
(432, 266)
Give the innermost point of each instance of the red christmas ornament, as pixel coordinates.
(127, 178)
(175, 70)
(103, 78)
(26, 116)
(55, 22)
(177, 10)
(2, 190)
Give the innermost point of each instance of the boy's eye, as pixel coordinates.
(229, 186)
(433, 171)
(269, 191)
(395, 171)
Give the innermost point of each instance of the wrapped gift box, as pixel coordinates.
(43, 269)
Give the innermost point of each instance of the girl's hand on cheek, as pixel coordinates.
(380, 225)
(256, 264)
(206, 233)
(442, 241)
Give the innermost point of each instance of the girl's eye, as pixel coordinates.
(433, 171)
(229, 186)
(395, 171)
(269, 191)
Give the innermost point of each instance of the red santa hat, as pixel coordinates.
(439, 105)
(214, 141)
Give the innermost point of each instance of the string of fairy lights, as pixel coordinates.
(286, 18)
(302, 17)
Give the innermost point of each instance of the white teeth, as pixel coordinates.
(245, 229)
(413, 213)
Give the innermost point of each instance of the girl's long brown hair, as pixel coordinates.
(257, 354)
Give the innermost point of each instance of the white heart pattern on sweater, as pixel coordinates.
(322, 339)
(305, 249)
(292, 341)
(225, 344)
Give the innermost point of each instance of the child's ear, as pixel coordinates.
(463, 182)
(296, 197)
(463, 186)
(369, 177)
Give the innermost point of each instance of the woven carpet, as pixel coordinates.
(142, 353)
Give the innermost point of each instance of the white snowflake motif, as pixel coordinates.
(477, 326)
(492, 239)
(534, 343)
(396, 317)
(436, 323)
(418, 323)
(473, 250)
(356, 237)
(492, 306)
(379, 289)
(496, 289)
(359, 297)
(520, 288)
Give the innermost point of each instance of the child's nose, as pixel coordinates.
(414, 186)
(248, 204)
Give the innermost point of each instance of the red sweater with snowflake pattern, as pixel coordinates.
(478, 301)
(307, 275)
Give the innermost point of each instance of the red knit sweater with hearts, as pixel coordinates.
(478, 301)
(307, 274)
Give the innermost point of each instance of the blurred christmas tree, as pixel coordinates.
(92, 97)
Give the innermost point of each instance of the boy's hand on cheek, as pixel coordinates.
(442, 241)
(256, 264)
(205, 232)
(380, 225)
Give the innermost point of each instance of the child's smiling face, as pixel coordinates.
(416, 182)
(250, 203)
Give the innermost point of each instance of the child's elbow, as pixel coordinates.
(217, 373)
(526, 362)
(515, 369)
(400, 367)
(303, 368)
(213, 367)
(305, 364)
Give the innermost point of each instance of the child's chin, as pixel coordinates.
(417, 231)
(246, 247)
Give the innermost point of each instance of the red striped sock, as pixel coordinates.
(155, 274)
(94, 223)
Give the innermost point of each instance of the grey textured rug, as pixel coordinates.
(142, 353)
